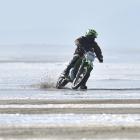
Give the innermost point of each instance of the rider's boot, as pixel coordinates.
(83, 86)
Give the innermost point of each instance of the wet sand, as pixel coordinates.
(76, 106)
(69, 131)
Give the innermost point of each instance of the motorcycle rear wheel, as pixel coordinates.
(61, 82)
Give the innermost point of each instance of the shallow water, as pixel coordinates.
(69, 120)
(35, 75)
(37, 80)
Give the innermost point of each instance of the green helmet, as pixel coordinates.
(91, 33)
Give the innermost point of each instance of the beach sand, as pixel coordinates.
(63, 131)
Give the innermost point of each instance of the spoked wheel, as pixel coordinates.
(80, 78)
(62, 81)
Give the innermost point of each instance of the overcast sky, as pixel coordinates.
(62, 21)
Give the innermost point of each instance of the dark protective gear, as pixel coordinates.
(71, 64)
(83, 87)
(84, 44)
(87, 77)
(88, 44)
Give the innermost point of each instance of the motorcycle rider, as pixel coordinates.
(84, 44)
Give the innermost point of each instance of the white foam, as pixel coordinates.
(76, 106)
(70, 120)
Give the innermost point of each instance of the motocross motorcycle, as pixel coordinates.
(79, 73)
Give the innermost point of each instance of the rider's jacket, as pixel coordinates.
(85, 44)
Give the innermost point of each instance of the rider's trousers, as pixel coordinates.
(71, 64)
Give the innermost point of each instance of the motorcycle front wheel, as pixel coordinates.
(81, 77)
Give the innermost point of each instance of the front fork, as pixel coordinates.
(79, 67)
(85, 64)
